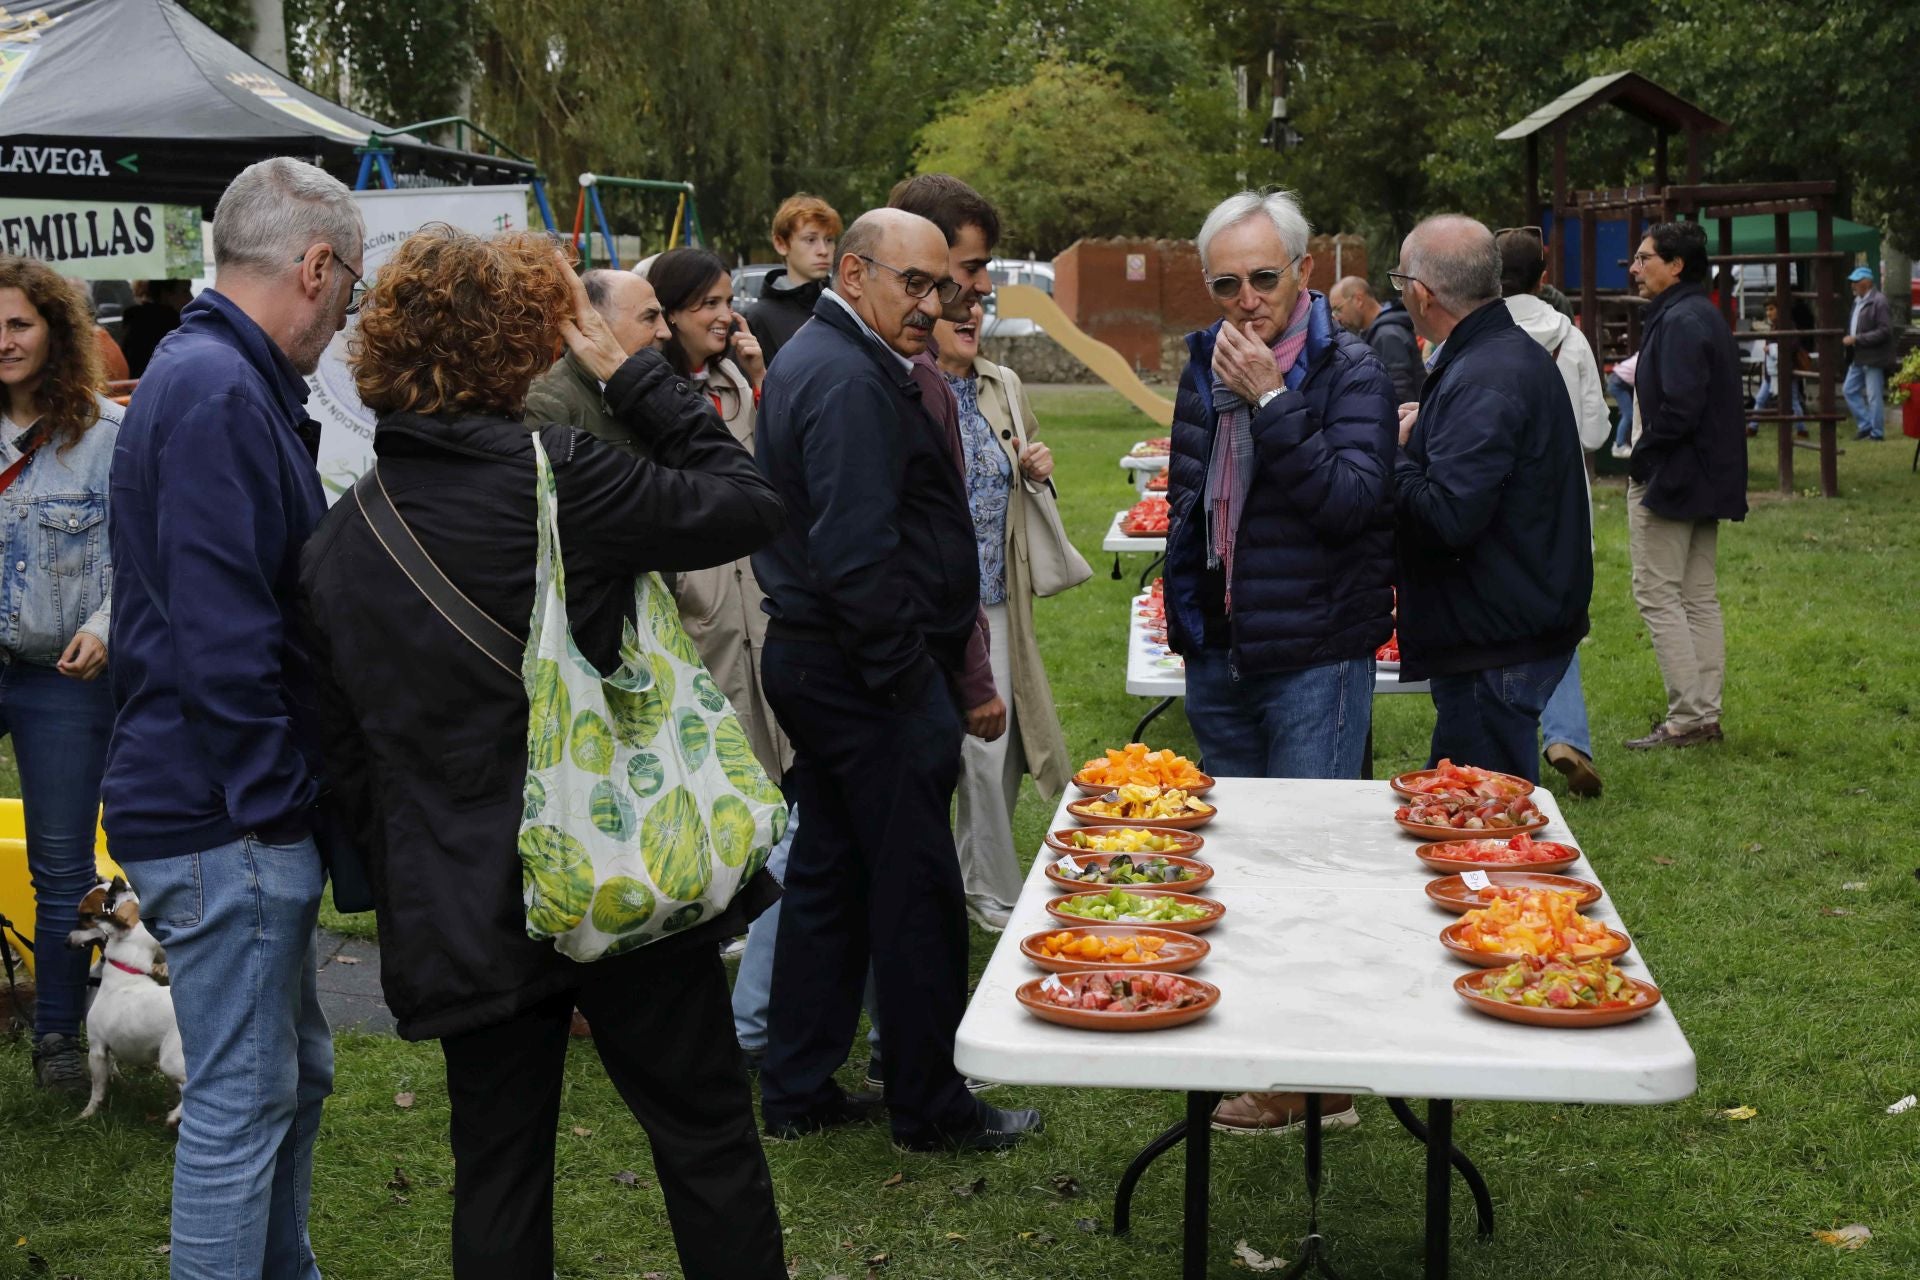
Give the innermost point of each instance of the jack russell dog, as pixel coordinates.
(131, 1019)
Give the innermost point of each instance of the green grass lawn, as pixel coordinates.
(1798, 994)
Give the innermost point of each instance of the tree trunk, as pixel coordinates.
(1896, 279)
(269, 42)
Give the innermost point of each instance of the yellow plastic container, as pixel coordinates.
(16, 886)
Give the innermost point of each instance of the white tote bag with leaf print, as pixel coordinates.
(645, 807)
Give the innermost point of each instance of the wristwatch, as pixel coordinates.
(1270, 397)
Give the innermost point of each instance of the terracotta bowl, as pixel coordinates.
(1186, 844)
(1401, 784)
(1451, 893)
(1078, 808)
(1028, 994)
(1199, 924)
(1617, 944)
(1434, 856)
(1467, 986)
(1198, 873)
(1178, 952)
(1431, 831)
(1086, 788)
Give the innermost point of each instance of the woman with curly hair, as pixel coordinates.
(426, 738)
(56, 448)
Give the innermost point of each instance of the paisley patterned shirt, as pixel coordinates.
(989, 487)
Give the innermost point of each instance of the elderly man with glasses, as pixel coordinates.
(874, 595)
(1280, 542)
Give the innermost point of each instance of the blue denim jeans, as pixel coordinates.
(1622, 392)
(1491, 718)
(1311, 723)
(238, 925)
(59, 728)
(1564, 718)
(1766, 397)
(1866, 392)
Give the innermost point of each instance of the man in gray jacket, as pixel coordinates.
(1387, 329)
(1870, 339)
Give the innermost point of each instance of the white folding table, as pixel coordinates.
(1142, 469)
(1120, 542)
(1333, 980)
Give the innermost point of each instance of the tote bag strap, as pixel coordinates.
(505, 649)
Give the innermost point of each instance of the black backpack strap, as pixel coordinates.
(463, 615)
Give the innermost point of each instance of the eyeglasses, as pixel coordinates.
(1642, 258)
(919, 284)
(1536, 232)
(358, 294)
(1400, 280)
(1265, 280)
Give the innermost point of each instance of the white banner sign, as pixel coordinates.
(91, 240)
(346, 425)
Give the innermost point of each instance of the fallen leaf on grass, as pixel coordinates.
(1091, 1226)
(879, 1260)
(1064, 1185)
(974, 1188)
(346, 959)
(399, 1181)
(1245, 1255)
(894, 1181)
(1039, 1237)
(1740, 1113)
(793, 1269)
(1851, 1236)
(653, 1275)
(160, 1249)
(400, 1199)
(581, 1131)
(1857, 791)
(1835, 911)
(954, 1237)
(1905, 1104)
(404, 1101)
(1756, 847)
(627, 1178)
(1854, 886)
(1661, 860)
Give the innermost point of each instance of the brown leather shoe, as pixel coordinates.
(1666, 736)
(1577, 765)
(1282, 1112)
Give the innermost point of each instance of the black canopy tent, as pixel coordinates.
(137, 100)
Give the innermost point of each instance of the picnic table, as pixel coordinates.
(1141, 469)
(1120, 542)
(1332, 980)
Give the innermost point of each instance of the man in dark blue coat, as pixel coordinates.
(210, 785)
(1496, 560)
(1280, 537)
(1687, 473)
(874, 595)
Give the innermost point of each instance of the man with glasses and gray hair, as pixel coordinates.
(1496, 559)
(874, 595)
(1279, 576)
(210, 787)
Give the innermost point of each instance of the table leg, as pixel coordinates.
(1482, 1198)
(1146, 575)
(1123, 1195)
(1199, 1183)
(1439, 1186)
(1140, 730)
(1366, 754)
(1313, 1249)
(1116, 566)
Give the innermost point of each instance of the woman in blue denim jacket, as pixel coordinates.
(55, 581)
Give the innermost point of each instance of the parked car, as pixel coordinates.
(1015, 271)
(749, 280)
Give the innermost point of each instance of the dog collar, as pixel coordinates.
(124, 967)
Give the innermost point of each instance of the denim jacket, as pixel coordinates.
(57, 575)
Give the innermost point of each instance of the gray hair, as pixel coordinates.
(1457, 258)
(1278, 206)
(276, 210)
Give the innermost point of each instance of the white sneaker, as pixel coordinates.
(1623, 451)
(733, 949)
(991, 916)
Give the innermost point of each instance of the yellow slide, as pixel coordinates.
(16, 888)
(1024, 302)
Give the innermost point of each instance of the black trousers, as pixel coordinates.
(872, 873)
(665, 1033)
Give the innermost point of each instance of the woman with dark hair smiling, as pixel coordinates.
(426, 737)
(56, 449)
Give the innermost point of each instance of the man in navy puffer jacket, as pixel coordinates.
(1279, 658)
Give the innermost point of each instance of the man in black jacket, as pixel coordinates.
(874, 592)
(1385, 327)
(1494, 540)
(805, 228)
(1688, 472)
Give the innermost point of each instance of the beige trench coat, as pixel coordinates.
(1003, 402)
(720, 607)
